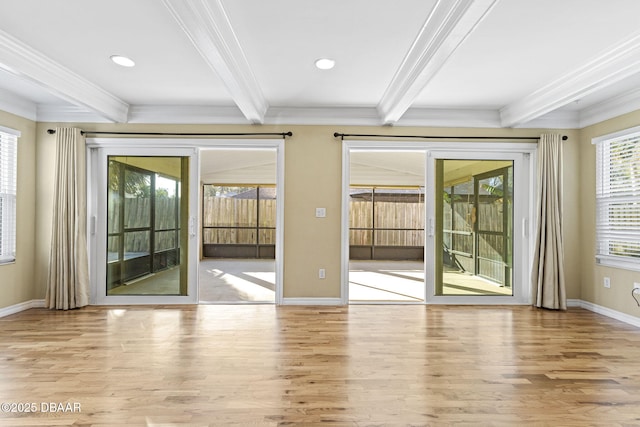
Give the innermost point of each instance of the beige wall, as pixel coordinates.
(312, 161)
(572, 237)
(17, 279)
(45, 165)
(618, 297)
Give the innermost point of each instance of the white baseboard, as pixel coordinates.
(614, 314)
(17, 308)
(574, 303)
(312, 301)
(37, 303)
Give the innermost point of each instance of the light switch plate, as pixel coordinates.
(321, 212)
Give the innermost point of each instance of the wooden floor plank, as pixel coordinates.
(340, 366)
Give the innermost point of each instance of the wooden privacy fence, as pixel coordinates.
(233, 221)
(394, 223)
(137, 215)
(238, 221)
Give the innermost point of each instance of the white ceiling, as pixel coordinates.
(366, 168)
(464, 63)
(229, 166)
(387, 168)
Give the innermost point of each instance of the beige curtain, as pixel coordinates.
(68, 280)
(547, 276)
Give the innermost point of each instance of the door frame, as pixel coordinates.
(482, 150)
(99, 148)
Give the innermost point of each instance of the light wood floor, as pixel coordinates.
(352, 366)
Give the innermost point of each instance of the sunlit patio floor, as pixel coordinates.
(403, 281)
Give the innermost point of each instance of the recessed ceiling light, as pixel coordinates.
(325, 63)
(123, 60)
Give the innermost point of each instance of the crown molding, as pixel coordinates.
(341, 116)
(448, 24)
(554, 120)
(361, 116)
(614, 64)
(26, 62)
(197, 114)
(17, 105)
(449, 117)
(186, 114)
(610, 108)
(180, 114)
(68, 114)
(208, 27)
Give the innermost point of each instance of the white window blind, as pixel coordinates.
(618, 200)
(8, 171)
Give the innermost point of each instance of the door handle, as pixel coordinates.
(192, 226)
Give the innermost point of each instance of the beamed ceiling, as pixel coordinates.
(463, 63)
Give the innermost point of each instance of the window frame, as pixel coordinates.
(603, 197)
(8, 192)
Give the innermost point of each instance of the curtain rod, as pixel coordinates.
(342, 135)
(282, 134)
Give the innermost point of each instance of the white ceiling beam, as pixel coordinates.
(208, 27)
(612, 65)
(23, 61)
(448, 25)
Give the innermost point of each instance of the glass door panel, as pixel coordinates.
(474, 227)
(146, 254)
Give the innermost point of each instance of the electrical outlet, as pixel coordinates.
(321, 274)
(636, 286)
(607, 282)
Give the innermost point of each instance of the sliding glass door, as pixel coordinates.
(477, 249)
(474, 222)
(145, 240)
(469, 222)
(144, 224)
